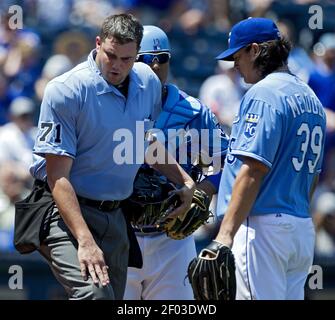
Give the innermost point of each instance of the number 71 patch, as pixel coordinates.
(47, 128)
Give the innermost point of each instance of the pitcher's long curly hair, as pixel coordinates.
(273, 55)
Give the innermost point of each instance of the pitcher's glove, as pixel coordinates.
(179, 228)
(213, 277)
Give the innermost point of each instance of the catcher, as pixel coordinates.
(167, 244)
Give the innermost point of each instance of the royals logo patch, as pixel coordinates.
(252, 118)
(157, 44)
(251, 124)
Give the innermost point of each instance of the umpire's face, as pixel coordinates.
(115, 60)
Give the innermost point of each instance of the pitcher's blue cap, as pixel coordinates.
(249, 31)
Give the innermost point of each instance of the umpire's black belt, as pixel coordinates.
(102, 205)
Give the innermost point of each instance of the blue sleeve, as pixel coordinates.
(214, 180)
(259, 132)
(57, 122)
(213, 142)
(330, 104)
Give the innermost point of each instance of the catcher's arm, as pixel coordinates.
(207, 187)
(174, 172)
(245, 190)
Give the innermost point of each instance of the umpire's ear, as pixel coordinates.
(98, 43)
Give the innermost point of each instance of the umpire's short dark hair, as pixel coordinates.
(273, 55)
(123, 27)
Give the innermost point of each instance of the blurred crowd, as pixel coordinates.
(59, 34)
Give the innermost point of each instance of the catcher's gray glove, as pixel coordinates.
(213, 277)
(178, 228)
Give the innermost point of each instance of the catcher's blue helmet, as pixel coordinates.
(154, 40)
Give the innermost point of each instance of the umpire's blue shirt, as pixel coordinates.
(85, 118)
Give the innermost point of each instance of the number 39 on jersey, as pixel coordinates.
(310, 149)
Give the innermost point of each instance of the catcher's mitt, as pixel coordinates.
(213, 277)
(198, 215)
(150, 202)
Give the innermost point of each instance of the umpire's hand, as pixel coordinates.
(185, 194)
(92, 262)
(175, 173)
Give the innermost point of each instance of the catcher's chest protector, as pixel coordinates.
(178, 110)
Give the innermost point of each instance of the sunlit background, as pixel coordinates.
(57, 35)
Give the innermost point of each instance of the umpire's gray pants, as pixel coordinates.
(60, 250)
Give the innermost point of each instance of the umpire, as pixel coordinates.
(85, 241)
